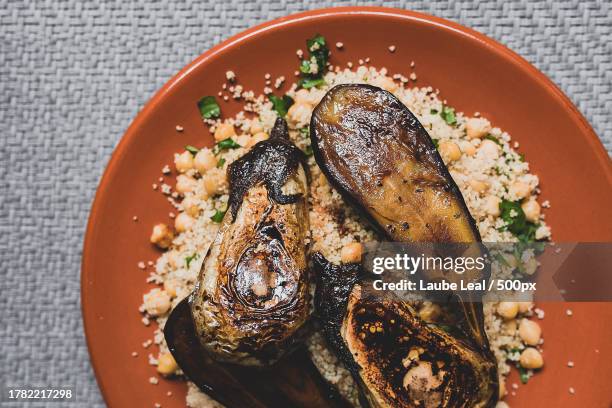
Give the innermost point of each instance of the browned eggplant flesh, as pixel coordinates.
(378, 155)
(397, 359)
(251, 300)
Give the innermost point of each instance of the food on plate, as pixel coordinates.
(397, 358)
(499, 190)
(251, 299)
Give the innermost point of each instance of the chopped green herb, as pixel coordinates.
(501, 259)
(433, 111)
(493, 139)
(523, 374)
(218, 217)
(436, 143)
(209, 108)
(190, 258)
(307, 83)
(308, 150)
(313, 67)
(191, 149)
(305, 132)
(448, 114)
(281, 105)
(521, 157)
(516, 222)
(225, 145)
(221, 162)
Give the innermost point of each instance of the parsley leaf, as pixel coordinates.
(313, 67)
(209, 108)
(281, 105)
(308, 151)
(493, 139)
(225, 145)
(221, 162)
(516, 222)
(218, 217)
(310, 83)
(190, 258)
(448, 114)
(305, 132)
(523, 374)
(191, 149)
(436, 143)
(433, 111)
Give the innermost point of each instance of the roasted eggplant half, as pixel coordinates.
(251, 299)
(293, 381)
(378, 155)
(375, 152)
(397, 359)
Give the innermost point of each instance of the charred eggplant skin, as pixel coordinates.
(251, 300)
(270, 163)
(378, 155)
(391, 352)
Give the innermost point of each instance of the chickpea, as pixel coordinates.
(183, 161)
(213, 182)
(351, 253)
(299, 113)
(477, 127)
(531, 208)
(450, 151)
(507, 310)
(302, 96)
(258, 137)
(224, 131)
(468, 148)
(204, 161)
(243, 140)
(156, 302)
(519, 190)
(171, 286)
(162, 236)
(479, 186)
(524, 307)
(531, 358)
(491, 205)
(489, 149)
(190, 206)
(184, 184)
(530, 266)
(166, 365)
(256, 127)
(183, 222)
(530, 332)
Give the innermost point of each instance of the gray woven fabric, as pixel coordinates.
(74, 75)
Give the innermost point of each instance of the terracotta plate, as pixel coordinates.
(473, 73)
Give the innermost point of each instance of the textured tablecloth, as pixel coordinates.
(73, 76)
